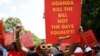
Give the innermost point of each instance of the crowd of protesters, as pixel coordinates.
(59, 49)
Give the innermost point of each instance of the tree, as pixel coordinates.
(91, 15)
(36, 40)
(11, 22)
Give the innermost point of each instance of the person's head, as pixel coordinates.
(46, 49)
(64, 47)
(68, 48)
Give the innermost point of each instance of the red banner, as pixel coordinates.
(26, 40)
(62, 18)
(1, 33)
(8, 39)
(89, 38)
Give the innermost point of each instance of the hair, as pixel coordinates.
(14, 46)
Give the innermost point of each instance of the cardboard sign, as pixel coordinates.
(89, 38)
(1, 33)
(8, 39)
(62, 18)
(26, 40)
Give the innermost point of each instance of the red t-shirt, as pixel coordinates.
(14, 53)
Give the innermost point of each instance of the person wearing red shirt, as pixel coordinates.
(14, 51)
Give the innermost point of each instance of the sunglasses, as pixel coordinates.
(44, 46)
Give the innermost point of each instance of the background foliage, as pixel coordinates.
(9, 24)
(91, 16)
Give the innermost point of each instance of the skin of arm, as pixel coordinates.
(18, 43)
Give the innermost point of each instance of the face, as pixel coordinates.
(64, 47)
(46, 49)
(67, 49)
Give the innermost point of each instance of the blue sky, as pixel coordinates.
(30, 13)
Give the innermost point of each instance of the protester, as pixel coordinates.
(27, 52)
(46, 49)
(61, 49)
(14, 51)
(17, 51)
(68, 50)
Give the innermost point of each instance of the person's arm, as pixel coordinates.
(18, 44)
(25, 49)
(63, 38)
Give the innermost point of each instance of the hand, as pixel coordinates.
(62, 38)
(81, 29)
(18, 28)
